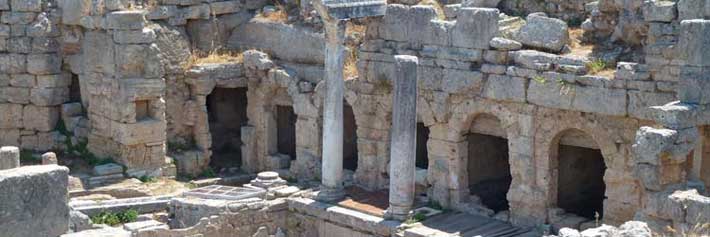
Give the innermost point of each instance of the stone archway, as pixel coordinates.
(489, 175)
(578, 174)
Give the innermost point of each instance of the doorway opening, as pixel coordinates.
(227, 113)
(350, 156)
(286, 130)
(489, 175)
(422, 151)
(580, 179)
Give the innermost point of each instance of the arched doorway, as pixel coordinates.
(488, 168)
(580, 174)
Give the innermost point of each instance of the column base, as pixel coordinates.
(330, 194)
(397, 213)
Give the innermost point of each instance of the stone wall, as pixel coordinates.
(537, 96)
(32, 84)
(268, 86)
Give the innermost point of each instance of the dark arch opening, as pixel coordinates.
(350, 156)
(580, 180)
(422, 161)
(227, 113)
(489, 175)
(286, 130)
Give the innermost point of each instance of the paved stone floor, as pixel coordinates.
(464, 225)
(370, 202)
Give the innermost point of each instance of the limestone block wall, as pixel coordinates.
(536, 96)
(565, 10)
(32, 84)
(122, 53)
(268, 86)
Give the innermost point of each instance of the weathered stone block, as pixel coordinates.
(505, 44)
(108, 169)
(40, 118)
(600, 100)
(23, 80)
(219, 8)
(694, 35)
(143, 36)
(54, 80)
(162, 12)
(543, 32)
(10, 116)
(13, 63)
(43, 64)
(48, 183)
(659, 11)
(640, 103)
(15, 95)
(145, 131)
(459, 81)
(694, 84)
(475, 27)
(49, 96)
(304, 46)
(98, 52)
(126, 20)
(26, 5)
(505, 88)
(395, 26)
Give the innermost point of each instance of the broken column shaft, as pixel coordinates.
(332, 178)
(404, 132)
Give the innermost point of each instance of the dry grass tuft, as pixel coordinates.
(699, 230)
(350, 69)
(438, 8)
(214, 57)
(280, 15)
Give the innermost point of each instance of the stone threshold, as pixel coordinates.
(344, 217)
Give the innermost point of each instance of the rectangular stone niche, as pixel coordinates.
(142, 110)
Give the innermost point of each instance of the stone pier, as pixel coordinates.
(333, 112)
(9, 157)
(404, 133)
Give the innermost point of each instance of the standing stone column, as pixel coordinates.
(332, 169)
(404, 132)
(9, 157)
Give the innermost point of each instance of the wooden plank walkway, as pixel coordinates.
(465, 225)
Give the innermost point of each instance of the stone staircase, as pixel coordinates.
(466, 225)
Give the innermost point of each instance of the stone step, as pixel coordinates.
(108, 169)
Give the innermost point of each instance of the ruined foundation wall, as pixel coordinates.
(460, 79)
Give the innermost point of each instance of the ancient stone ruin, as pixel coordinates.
(166, 118)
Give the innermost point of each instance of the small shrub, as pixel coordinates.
(596, 66)
(113, 219)
(418, 217)
(539, 79)
(435, 205)
(208, 173)
(574, 22)
(147, 179)
(27, 156)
